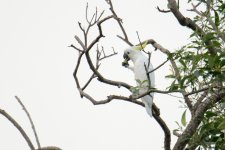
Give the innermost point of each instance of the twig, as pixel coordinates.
(154, 91)
(176, 133)
(79, 50)
(125, 40)
(139, 40)
(158, 66)
(80, 42)
(162, 10)
(106, 56)
(119, 21)
(76, 70)
(31, 121)
(23, 133)
(201, 90)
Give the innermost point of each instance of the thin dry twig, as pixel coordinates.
(119, 21)
(31, 121)
(162, 10)
(159, 66)
(79, 50)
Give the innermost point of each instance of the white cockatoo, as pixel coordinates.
(141, 67)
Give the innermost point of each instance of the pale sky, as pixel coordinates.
(37, 66)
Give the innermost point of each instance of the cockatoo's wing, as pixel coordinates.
(140, 71)
(141, 68)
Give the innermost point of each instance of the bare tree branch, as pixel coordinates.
(31, 121)
(158, 66)
(100, 77)
(119, 21)
(79, 50)
(23, 133)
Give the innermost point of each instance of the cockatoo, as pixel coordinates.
(141, 67)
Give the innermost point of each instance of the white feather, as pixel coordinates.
(140, 61)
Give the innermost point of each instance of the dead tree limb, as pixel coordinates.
(14, 122)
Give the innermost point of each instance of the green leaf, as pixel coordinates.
(222, 63)
(138, 81)
(144, 81)
(222, 7)
(173, 86)
(216, 44)
(210, 114)
(217, 19)
(170, 76)
(211, 61)
(183, 119)
(208, 37)
(221, 126)
(183, 63)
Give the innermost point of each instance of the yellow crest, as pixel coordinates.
(141, 46)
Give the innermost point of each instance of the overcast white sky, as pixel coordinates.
(37, 65)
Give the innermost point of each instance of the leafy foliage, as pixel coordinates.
(201, 68)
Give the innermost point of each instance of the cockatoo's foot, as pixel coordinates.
(133, 97)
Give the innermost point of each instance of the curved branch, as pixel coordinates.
(23, 133)
(31, 121)
(196, 120)
(100, 77)
(185, 21)
(167, 137)
(162, 10)
(156, 115)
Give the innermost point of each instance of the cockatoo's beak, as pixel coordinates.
(126, 59)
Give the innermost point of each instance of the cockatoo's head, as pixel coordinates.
(132, 53)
